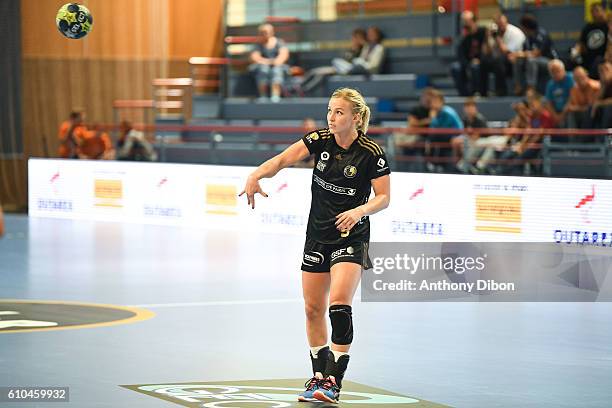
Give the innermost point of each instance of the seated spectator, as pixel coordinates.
(442, 117)
(369, 61)
(529, 63)
(590, 50)
(601, 112)
(497, 143)
(558, 89)
(132, 144)
(582, 96)
(418, 117)
(269, 63)
(503, 39)
(523, 150)
(466, 71)
(96, 145)
(315, 77)
(469, 146)
(70, 135)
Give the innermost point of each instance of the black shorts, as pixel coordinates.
(320, 257)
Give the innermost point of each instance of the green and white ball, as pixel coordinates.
(74, 20)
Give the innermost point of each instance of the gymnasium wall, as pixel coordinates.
(132, 42)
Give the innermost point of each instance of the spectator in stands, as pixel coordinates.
(269, 63)
(70, 135)
(369, 61)
(466, 71)
(558, 89)
(582, 96)
(523, 150)
(590, 50)
(418, 117)
(498, 143)
(442, 117)
(601, 112)
(533, 59)
(470, 146)
(132, 144)
(96, 145)
(504, 39)
(315, 77)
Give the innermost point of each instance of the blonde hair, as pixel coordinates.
(359, 105)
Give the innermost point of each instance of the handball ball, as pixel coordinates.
(74, 20)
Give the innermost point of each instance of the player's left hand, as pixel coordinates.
(347, 220)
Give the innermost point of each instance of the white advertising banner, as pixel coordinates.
(424, 207)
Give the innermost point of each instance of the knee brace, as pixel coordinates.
(342, 324)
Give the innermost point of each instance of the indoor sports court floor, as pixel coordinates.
(227, 309)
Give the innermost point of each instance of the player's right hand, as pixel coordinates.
(251, 188)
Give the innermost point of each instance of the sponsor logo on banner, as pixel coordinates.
(54, 201)
(499, 213)
(416, 201)
(108, 193)
(221, 199)
(283, 218)
(585, 205)
(160, 195)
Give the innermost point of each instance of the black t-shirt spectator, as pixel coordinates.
(470, 46)
(542, 42)
(477, 122)
(594, 37)
(419, 112)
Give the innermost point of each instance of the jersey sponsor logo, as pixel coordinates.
(343, 252)
(313, 257)
(333, 188)
(324, 156)
(382, 165)
(321, 166)
(350, 171)
(311, 137)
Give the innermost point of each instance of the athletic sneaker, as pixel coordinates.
(311, 386)
(328, 390)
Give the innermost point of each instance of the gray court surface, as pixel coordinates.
(228, 308)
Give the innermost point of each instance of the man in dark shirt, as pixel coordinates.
(591, 48)
(532, 62)
(466, 71)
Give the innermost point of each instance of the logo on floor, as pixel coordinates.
(33, 315)
(271, 394)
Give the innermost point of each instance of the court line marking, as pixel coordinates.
(221, 303)
(140, 314)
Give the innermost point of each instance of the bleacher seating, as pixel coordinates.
(419, 48)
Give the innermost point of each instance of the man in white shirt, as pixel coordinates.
(504, 38)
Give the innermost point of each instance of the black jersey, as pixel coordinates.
(340, 182)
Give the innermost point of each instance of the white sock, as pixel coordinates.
(315, 350)
(338, 354)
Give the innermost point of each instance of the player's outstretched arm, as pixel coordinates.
(294, 153)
